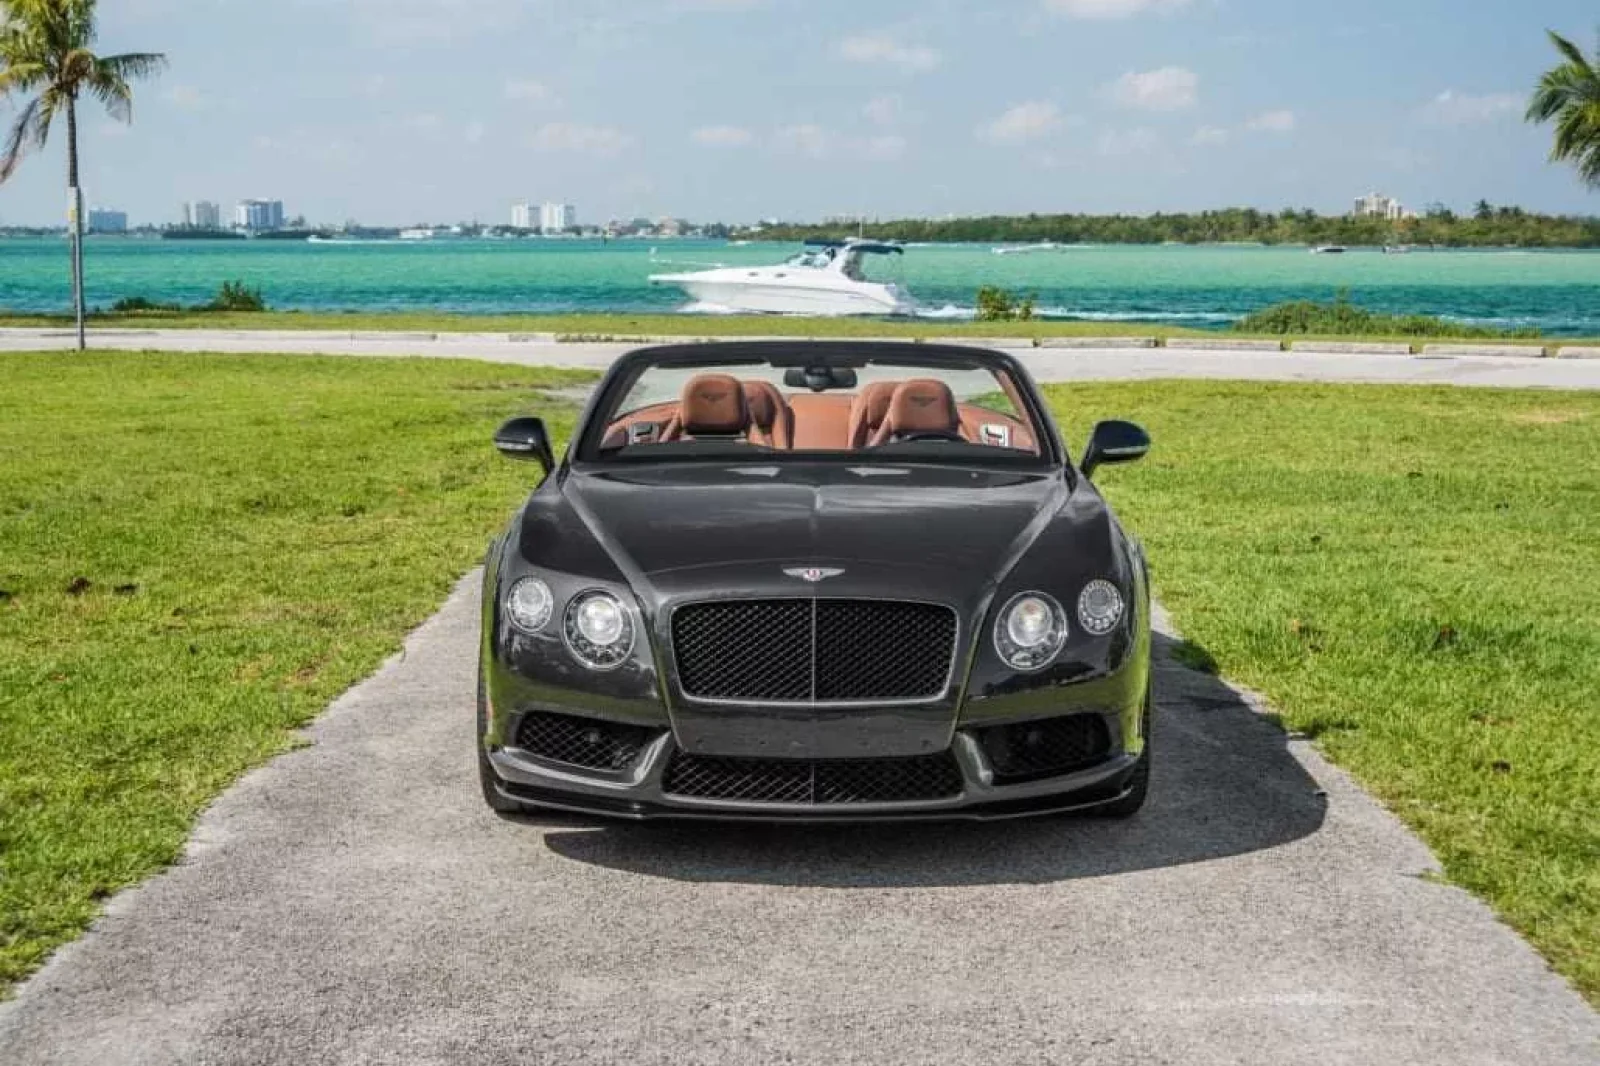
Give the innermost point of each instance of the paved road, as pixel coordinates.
(354, 902)
(1089, 364)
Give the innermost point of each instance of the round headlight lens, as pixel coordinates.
(529, 604)
(598, 630)
(1030, 632)
(1100, 607)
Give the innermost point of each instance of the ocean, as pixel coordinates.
(1207, 286)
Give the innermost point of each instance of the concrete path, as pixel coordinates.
(1047, 364)
(354, 902)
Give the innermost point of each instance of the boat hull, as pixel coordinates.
(756, 295)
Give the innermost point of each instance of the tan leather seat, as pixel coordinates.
(867, 413)
(920, 407)
(712, 405)
(771, 420)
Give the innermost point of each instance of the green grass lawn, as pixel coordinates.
(1409, 573)
(196, 555)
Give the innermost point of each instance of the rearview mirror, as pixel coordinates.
(525, 439)
(1115, 442)
(819, 378)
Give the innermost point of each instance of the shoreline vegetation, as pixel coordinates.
(1488, 226)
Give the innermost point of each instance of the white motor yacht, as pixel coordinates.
(825, 279)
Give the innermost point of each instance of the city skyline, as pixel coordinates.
(737, 110)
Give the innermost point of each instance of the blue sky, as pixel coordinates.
(400, 111)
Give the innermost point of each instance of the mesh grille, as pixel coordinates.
(799, 651)
(1029, 751)
(814, 783)
(587, 742)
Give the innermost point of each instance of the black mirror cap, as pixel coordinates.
(1115, 442)
(526, 440)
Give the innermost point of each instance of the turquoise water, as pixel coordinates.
(1558, 292)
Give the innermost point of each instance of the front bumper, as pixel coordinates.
(642, 791)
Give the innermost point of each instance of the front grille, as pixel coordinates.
(587, 742)
(804, 651)
(1029, 751)
(814, 782)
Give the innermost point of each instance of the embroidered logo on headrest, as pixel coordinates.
(921, 401)
(714, 397)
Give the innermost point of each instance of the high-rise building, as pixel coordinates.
(259, 214)
(522, 216)
(557, 218)
(202, 214)
(105, 220)
(1376, 205)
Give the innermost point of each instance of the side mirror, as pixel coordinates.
(1115, 442)
(525, 439)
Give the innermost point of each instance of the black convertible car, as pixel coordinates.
(816, 581)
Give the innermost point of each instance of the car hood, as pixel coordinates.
(661, 521)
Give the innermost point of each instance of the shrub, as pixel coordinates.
(998, 305)
(1344, 317)
(234, 296)
(132, 305)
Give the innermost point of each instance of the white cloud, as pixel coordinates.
(1165, 89)
(722, 136)
(1272, 122)
(426, 122)
(185, 96)
(1137, 141)
(1451, 108)
(1024, 122)
(807, 139)
(883, 48)
(717, 5)
(1210, 135)
(884, 110)
(580, 139)
(528, 91)
(474, 132)
(1110, 9)
(885, 148)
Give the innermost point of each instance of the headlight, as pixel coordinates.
(1100, 607)
(529, 604)
(598, 630)
(1030, 632)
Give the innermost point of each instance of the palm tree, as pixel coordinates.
(47, 64)
(1569, 95)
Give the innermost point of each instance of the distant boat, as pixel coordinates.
(1329, 249)
(1397, 249)
(1024, 249)
(826, 279)
(417, 234)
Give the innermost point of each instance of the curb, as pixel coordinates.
(1098, 342)
(1584, 352)
(1350, 347)
(1205, 344)
(1523, 351)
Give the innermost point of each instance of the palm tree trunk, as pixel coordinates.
(77, 221)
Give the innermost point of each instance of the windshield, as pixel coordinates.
(861, 407)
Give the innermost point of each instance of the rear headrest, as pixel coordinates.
(923, 406)
(714, 405)
(765, 403)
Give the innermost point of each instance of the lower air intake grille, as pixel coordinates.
(1029, 751)
(587, 742)
(814, 783)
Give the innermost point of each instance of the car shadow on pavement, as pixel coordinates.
(1225, 784)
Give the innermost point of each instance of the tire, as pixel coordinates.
(487, 778)
(1138, 785)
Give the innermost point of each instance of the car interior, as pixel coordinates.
(721, 407)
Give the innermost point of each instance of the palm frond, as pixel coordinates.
(1573, 53)
(134, 66)
(29, 131)
(112, 91)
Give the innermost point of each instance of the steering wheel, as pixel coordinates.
(946, 437)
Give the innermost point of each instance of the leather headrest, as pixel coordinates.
(870, 408)
(923, 406)
(714, 405)
(764, 401)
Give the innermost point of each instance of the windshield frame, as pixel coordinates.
(624, 374)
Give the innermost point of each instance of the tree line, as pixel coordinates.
(1486, 226)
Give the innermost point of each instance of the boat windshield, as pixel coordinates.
(894, 409)
(815, 259)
